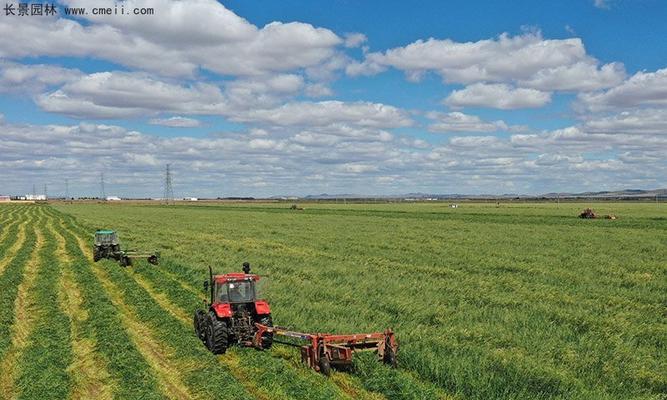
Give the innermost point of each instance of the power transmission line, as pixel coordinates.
(66, 189)
(168, 188)
(103, 194)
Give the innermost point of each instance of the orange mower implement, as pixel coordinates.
(323, 351)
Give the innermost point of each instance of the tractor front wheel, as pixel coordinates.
(267, 338)
(217, 335)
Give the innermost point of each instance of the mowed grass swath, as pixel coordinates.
(516, 301)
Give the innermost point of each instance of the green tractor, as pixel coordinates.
(107, 246)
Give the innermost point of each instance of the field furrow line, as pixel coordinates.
(167, 362)
(282, 378)
(231, 360)
(162, 299)
(9, 282)
(157, 356)
(11, 214)
(42, 365)
(88, 369)
(102, 333)
(90, 378)
(24, 315)
(14, 247)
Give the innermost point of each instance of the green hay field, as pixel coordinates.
(520, 301)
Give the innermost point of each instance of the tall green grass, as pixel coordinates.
(516, 301)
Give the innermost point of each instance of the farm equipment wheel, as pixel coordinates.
(96, 255)
(153, 259)
(390, 356)
(125, 261)
(325, 365)
(267, 338)
(217, 335)
(200, 324)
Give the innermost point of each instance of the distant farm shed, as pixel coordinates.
(5, 199)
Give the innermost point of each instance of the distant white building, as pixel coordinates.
(113, 198)
(190, 199)
(4, 199)
(35, 197)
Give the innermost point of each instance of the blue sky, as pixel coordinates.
(269, 98)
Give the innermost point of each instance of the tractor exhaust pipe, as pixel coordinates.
(210, 279)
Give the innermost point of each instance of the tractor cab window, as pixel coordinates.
(105, 238)
(236, 292)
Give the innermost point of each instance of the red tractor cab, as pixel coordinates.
(234, 309)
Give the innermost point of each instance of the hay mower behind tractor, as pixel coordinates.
(236, 315)
(107, 245)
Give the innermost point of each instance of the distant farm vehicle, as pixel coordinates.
(236, 315)
(296, 207)
(107, 245)
(588, 214)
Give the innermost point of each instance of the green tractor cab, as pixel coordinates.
(107, 245)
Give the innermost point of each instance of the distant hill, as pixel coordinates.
(618, 194)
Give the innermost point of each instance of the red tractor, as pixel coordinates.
(236, 315)
(234, 310)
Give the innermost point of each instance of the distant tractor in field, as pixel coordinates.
(236, 315)
(107, 245)
(296, 207)
(588, 214)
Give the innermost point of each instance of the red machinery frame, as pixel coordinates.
(324, 350)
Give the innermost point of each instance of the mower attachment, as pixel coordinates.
(322, 351)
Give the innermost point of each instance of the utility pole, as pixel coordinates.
(168, 187)
(34, 191)
(66, 189)
(46, 196)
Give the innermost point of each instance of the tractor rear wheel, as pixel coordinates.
(200, 324)
(153, 259)
(267, 338)
(217, 335)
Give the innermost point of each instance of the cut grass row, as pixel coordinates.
(276, 378)
(44, 361)
(14, 235)
(88, 370)
(177, 331)
(127, 368)
(20, 316)
(10, 279)
(202, 375)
